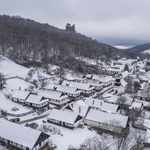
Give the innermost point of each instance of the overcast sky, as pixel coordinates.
(96, 18)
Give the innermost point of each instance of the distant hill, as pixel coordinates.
(26, 41)
(121, 41)
(138, 49)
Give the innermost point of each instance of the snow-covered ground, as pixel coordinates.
(15, 83)
(70, 137)
(146, 51)
(10, 68)
(7, 105)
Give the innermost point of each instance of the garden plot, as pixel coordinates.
(7, 105)
(15, 83)
(63, 137)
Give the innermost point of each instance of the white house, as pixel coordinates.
(21, 137)
(74, 77)
(95, 83)
(20, 96)
(106, 80)
(101, 105)
(114, 70)
(64, 118)
(72, 92)
(106, 121)
(57, 98)
(78, 107)
(86, 89)
(37, 102)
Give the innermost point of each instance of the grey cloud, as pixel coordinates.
(111, 18)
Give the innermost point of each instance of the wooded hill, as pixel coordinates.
(24, 41)
(139, 48)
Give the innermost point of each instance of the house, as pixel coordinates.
(95, 83)
(88, 76)
(142, 124)
(114, 70)
(37, 102)
(107, 121)
(79, 107)
(72, 92)
(143, 95)
(113, 100)
(136, 105)
(124, 74)
(20, 137)
(74, 77)
(57, 98)
(106, 80)
(20, 96)
(101, 105)
(64, 118)
(86, 89)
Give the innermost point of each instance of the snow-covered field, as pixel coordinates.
(146, 51)
(10, 68)
(7, 105)
(15, 83)
(70, 137)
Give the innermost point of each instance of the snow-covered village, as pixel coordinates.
(39, 109)
(74, 75)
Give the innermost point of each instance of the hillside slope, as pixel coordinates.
(138, 49)
(24, 40)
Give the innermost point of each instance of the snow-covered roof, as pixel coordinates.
(65, 116)
(79, 107)
(108, 118)
(125, 74)
(80, 86)
(123, 82)
(136, 104)
(113, 99)
(36, 99)
(18, 133)
(67, 89)
(69, 76)
(114, 69)
(93, 82)
(52, 94)
(95, 77)
(89, 76)
(20, 94)
(106, 79)
(102, 105)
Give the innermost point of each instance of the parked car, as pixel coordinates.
(15, 108)
(32, 125)
(14, 120)
(57, 107)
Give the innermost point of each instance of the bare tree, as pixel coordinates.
(2, 81)
(122, 100)
(97, 143)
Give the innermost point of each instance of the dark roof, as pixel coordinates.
(41, 138)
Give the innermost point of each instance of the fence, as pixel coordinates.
(20, 115)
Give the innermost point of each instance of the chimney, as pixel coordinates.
(101, 103)
(93, 102)
(19, 88)
(79, 109)
(72, 105)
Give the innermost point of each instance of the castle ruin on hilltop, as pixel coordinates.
(69, 27)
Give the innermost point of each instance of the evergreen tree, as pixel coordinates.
(126, 68)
